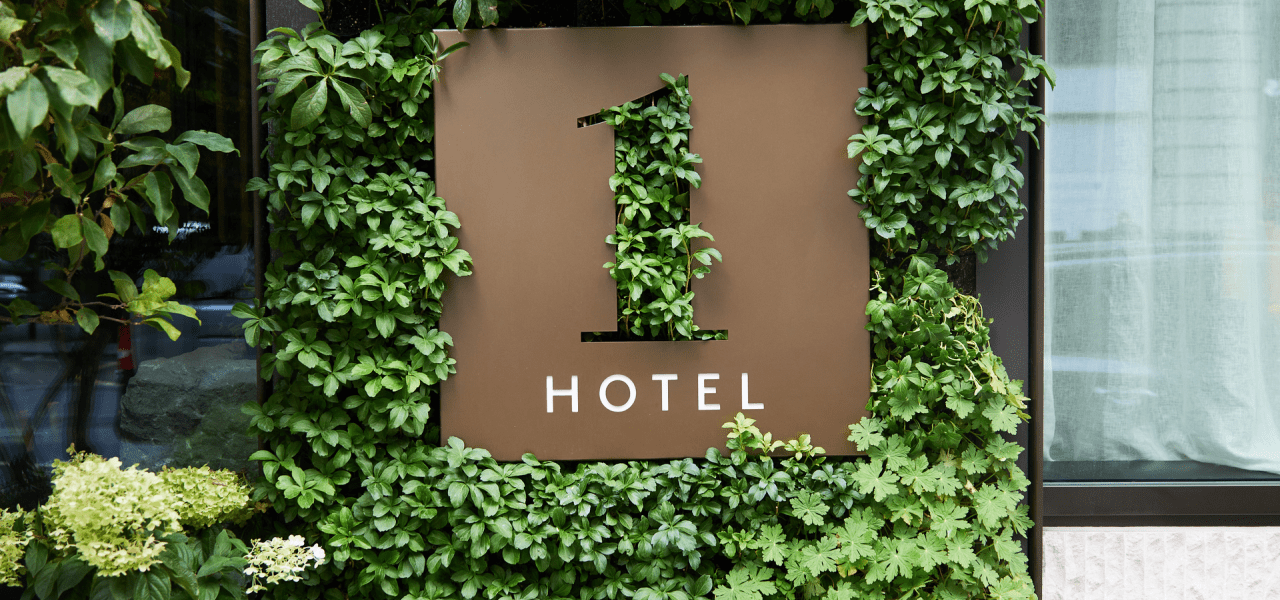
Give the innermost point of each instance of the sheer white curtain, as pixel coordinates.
(1162, 251)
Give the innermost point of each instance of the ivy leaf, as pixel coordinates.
(772, 543)
(1002, 416)
(747, 582)
(898, 558)
(872, 479)
(895, 453)
(866, 433)
(809, 507)
(818, 558)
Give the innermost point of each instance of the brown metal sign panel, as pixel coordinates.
(772, 108)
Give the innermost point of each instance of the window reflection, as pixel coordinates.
(130, 391)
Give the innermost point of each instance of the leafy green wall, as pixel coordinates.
(349, 329)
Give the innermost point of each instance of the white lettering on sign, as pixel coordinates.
(604, 389)
(572, 393)
(747, 405)
(665, 379)
(703, 390)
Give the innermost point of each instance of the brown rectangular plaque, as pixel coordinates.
(772, 111)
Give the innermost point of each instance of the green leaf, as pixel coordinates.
(866, 433)
(146, 34)
(461, 13)
(95, 238)
(87, 319)
(65, 180)
(193, 189)
(489, 16)
(155, 585)
(211, 141)
(181, 75)
(63, 288)
(354, 102)
(145, 118)
(809, 507)
(310, 105)
(315, 5)
(104, 174)
(163, 325)
(71, 571)
(28, 106)
(11, 78)
(187, 155)
(747, 582)
(112, 20)
(66, 231)
(159, 192)
(74, 87)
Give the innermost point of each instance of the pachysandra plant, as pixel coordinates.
(77, 164)
(939, 156)
(349, 318)
(656, 260)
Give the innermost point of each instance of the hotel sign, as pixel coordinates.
(772, 108)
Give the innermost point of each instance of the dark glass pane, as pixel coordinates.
(130, 391)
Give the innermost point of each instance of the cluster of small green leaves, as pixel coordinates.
(348, 321)
(939, 464)
(655, 257)
(736, 526)
(118, 534)
(950, 88)
(83, 172)
(654, 12)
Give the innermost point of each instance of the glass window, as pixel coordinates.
(1162, 245)
(130, 391)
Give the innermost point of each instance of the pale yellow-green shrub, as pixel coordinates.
(110, 515)
(12, 544)
(206, 497)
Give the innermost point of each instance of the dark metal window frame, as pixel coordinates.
(1011, 286)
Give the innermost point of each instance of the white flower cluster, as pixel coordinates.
(278, 559)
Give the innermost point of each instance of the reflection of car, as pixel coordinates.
(11, 286)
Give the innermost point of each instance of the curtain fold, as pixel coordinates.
(1162, 250)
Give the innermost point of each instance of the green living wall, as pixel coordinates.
(349, 319)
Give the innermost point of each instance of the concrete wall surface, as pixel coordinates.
(1161, 563)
